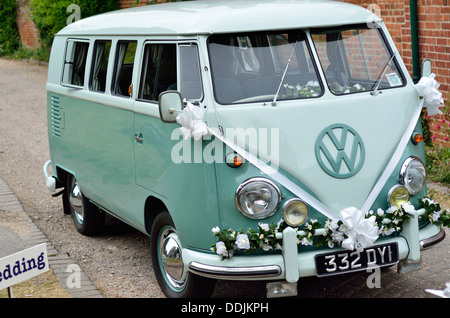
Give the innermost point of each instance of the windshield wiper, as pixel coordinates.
(378, 82)
(274, 102)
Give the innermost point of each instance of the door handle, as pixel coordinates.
(139, 138)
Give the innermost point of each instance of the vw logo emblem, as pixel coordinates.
(340, 151)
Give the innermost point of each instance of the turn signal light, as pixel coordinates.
(234, 160)
(417, 138)
(237, 160)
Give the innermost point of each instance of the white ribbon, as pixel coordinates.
(361, 232)
(428, 88)
(441, 293)
(396, 156)
(191, 120)
(278, 177)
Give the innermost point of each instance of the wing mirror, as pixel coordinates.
(170, 105)
(426, 68)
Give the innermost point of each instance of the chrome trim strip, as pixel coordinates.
(222, 272)
(431, 241)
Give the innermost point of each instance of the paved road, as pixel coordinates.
(26, 96)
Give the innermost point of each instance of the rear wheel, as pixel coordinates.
(166, 251)
(86, 216)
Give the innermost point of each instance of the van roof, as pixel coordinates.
(219, 16)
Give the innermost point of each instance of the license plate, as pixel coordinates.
(350, 261)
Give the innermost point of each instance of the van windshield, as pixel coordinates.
(356, 59)
(262, 67)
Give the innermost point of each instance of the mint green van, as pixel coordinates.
(251, 140)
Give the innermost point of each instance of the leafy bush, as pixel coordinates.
(438, 157)
(9, 36)
(50, 16)
(438, 163)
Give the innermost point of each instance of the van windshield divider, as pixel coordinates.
(378, 82)
(274, 102)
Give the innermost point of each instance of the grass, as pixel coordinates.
(41, 54)
(442, 198)
(45, 285)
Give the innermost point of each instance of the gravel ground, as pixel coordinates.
(118, 260)
(23, 152)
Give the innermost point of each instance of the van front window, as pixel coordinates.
(356, 59)
(262, 67)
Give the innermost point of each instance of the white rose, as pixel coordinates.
(221, 249)
(215, 230)
(392, 209)
(409, 208)
(380, 212)
(242, 242)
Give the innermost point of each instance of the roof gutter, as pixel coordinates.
(414, 39)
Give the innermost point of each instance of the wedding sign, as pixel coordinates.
(23, 265)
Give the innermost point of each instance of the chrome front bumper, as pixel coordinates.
(430, 242)
(292, 267)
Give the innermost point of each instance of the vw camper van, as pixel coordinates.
(251, 140)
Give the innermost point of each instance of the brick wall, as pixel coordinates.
(28, 33)
(434, 44)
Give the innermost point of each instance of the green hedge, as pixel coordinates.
(50, 16)
(9, 36)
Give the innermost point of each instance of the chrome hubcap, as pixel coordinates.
(76, 201)
(171, 259)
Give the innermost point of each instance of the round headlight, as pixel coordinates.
(413, 175)
(258, 198)
(398, 195)
(295, 212)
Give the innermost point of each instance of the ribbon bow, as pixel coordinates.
(428, 88)
(191, 120)
(361, 232)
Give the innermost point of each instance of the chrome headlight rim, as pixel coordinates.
(249, 181)
(284, 210)
(393, 190)
(403, 175)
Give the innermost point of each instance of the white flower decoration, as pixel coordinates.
(409, 208)
(215, 230)
(242, 242)
(221, 249)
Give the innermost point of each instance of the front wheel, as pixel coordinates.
(166, 251)
(86, 216)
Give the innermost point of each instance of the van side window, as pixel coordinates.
(75, 63)
(159, 71)
(191, 83)
(123, 73)
(100, 66)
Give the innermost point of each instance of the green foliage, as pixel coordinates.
(24, 53)
(438, 163)
(161, 1)
(9, 36)
(51, 16)
(438, 157)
